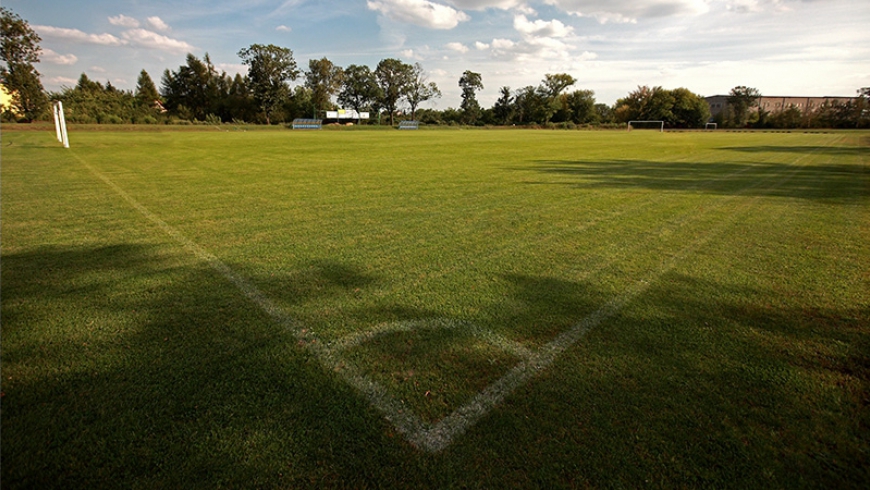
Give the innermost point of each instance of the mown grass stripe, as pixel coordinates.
(434, 438)
(442, 434)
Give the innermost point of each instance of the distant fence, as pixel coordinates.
(307, 124)
(409, 124)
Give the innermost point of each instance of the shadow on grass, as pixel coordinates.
(537, 309)
(697, 384)
(126, 366)
(824, 182)
(839, 151)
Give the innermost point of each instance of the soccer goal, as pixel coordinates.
(710, 126)
(409, 125)
(60, 123)
(659, 125)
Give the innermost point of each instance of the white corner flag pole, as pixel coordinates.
(60, 124)
(56, 122)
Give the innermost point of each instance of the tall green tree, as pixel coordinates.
(532, 105)
(325, 80)
(470, 82)
(420, 89)
(740, 100)
(196, 90)
(360, 88)
(556, 83)
(581, 106)
(690, 110)
(19, 49)
(503, 110)
(553, 85)
(147, 95)
(240, 101)
(393, 78)
(677, 108)
(647, 104)
(270, 68)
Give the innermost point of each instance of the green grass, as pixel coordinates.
(729, 273)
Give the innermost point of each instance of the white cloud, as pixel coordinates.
(283, 28)
(485, 4)
(540, 28)
(50, 56)
(158, 24)
(411, 54)
(232, 68)
(124, 21)
(458, 47)
(78, 36)
(149, 39)
(64, 81)
(480, 46)
(419, 12)
(756, 6)
(503, 44)
(629, 11)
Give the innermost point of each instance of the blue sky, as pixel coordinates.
(781, 47)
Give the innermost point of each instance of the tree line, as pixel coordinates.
(196, 92)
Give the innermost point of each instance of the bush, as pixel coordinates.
(145, 119)
(213, 120)
(103, 118)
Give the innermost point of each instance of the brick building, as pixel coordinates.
(718, 103)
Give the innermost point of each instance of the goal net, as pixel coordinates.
(656, 125)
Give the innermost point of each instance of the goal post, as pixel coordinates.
(660, 125)
(710, 126)
(60, 124)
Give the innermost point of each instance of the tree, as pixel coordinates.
(581, 106)
(677, 108)
(325, 80)
(360, 88)
(532, 105)
(553, 85)
(470, 82)
(92, 102)
(604, 113)
(19, 49)
(741, 99)
(690, 110)
(269, 69)
(556, 83)
(647, 104)
(196, 90)
(393, 78)
(240, 103)
(503, 110)
(300, 104)
(147, 96)
(419, 89)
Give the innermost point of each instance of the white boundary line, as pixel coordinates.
(436, 437)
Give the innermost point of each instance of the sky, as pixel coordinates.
(780, 47)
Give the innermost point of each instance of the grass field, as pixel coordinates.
(384, 309)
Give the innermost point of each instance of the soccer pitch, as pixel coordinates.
(501, 308)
